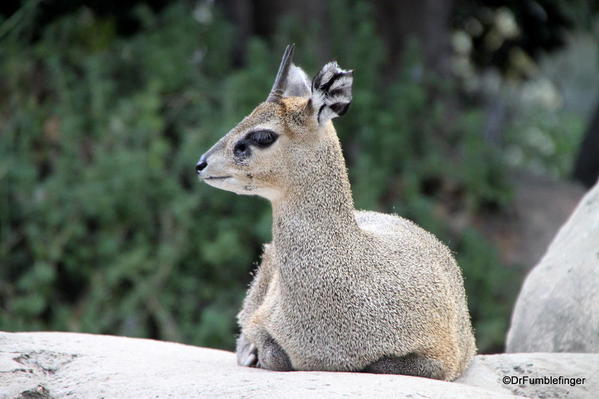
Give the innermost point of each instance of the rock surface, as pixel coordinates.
(558, 306)
(82, 366)
(488, 371)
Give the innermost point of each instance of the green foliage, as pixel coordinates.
(103, 226)
(489, 288)
(544, 140)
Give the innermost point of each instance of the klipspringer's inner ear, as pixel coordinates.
(297, 83)
(331, 92)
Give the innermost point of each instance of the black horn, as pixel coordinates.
(276, 93)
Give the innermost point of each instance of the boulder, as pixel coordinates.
(85, 366)
(557, 309)
(536, 375)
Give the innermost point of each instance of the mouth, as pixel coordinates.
(216, 177)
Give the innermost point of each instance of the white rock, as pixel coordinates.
(488, 371)
(558, 307)
(83, 366)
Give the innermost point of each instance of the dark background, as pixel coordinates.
(477, 119)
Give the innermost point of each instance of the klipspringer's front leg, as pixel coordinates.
(258, 287)
(247, 354)
(266, 353)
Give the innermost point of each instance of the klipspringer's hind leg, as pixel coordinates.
(272, 357)
(410, 364)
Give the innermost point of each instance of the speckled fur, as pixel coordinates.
(339, 289)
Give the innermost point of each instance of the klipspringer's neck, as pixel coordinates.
(317, 208)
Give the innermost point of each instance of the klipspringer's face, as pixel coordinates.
(252, 158)
(275, 140)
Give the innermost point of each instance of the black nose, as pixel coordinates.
(200, 166)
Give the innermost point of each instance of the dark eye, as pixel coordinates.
(262, 138)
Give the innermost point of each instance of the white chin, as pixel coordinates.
(228, 184)
(235, 186)
(268, 193)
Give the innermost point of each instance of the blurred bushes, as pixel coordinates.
(103, 225)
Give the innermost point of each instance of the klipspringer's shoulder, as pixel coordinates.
(383, 224)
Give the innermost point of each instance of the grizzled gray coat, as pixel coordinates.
(337, 289)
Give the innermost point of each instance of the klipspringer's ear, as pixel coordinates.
(331, 92)
(297, 84)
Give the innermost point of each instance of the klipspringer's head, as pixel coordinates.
(257, 156)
